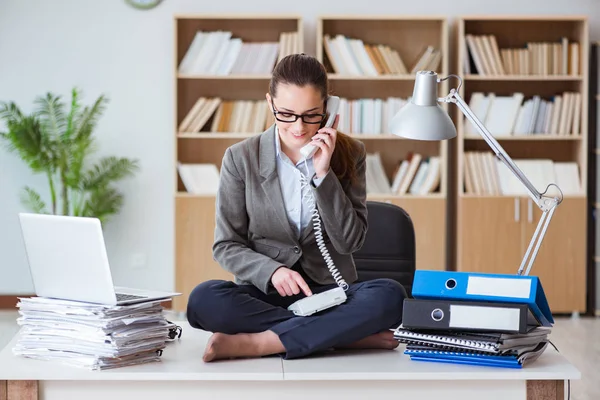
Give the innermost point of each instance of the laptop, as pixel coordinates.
(68, 260)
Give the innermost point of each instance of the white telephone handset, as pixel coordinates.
(333, 104)
(332, 297)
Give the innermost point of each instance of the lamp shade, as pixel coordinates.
(423, 118)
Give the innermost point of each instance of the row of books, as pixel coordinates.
(368, 115)
(92, 336)
(535, 58)
(486, 175)
(475, 323)
(352, 56)
(248, 116)
(511, 115)
(219, 53)
(359, 116)
(415, 175)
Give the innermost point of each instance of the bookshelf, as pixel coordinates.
(222, 66)
(371, 61)
(592, 176)
(527, 79)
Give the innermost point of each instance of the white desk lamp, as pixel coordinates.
(424, 119)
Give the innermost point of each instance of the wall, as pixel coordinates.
(108, 47)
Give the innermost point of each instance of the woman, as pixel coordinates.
(265, 236)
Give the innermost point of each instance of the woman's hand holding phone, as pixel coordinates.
(325, 140)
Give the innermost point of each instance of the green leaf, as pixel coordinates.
(26, 138)
(76, 160)
(10, 112)
(33, 201)
(88, 118)
(75, 106)
(52, 115)
(109, 169)
(102, 202)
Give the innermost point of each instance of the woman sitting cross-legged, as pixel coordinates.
(266, 237)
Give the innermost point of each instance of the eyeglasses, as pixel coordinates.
(284, 116)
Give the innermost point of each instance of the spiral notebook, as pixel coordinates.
(487, 343)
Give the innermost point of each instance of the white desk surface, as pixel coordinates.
(394, 365)
(182, 361)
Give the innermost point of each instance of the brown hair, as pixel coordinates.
(302, 70)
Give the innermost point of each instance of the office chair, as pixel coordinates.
(389, 248)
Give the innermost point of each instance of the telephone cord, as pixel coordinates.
(316, 218)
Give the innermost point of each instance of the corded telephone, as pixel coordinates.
(333, 104)
(330, 298)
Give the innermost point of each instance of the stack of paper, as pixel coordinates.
(91, 336)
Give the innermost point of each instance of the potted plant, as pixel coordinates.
(57, 141)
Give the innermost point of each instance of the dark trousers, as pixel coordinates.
(223, 306)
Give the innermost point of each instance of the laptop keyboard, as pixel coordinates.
(123, 296)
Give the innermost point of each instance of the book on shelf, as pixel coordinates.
(486, 175)
(368, 115)
(356, 116)
(513, 115)
(415, 175)
(199, 179)
(352, 56)
(247, 116)
(483, 56)
(219, 53)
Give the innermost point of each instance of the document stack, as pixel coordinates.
(91, 336)
(475, 318)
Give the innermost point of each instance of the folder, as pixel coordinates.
(515, 360)
(450, 315)
(472, 286)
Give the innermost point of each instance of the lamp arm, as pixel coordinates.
(546, 204)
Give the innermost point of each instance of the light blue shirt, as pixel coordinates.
(289, 174)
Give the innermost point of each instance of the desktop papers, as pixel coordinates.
(89, 335)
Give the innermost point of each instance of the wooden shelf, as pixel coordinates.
(244, 135)
(215, 135)
(409, 37)
(532, 137)
(374, 196)
(383, 196)
(493, 231)
(195, 214)
(506, 196)
(338, 77)
(517, 78)
(225, 77)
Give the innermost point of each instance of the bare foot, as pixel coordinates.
(381, 340)
(221, 345)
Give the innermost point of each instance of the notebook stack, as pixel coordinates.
(89, 335)
(473, 318)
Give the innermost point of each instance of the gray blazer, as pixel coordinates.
(253, 236)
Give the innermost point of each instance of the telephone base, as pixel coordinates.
(318, 302)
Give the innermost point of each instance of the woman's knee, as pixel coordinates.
(392, 291)
(391, 295)
(205, 301)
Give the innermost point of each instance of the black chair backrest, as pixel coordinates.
(389, 248)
